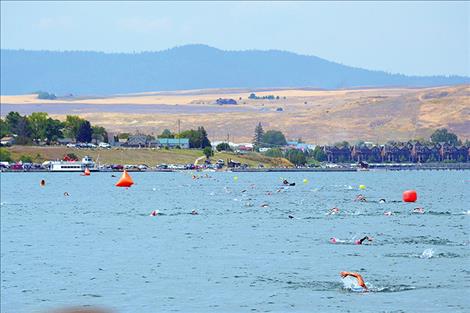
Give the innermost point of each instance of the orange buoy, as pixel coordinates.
(410, 196)
(125, 180)
(87, 172)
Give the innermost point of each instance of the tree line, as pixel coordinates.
(40, 127)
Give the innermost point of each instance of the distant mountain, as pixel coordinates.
(186, 67)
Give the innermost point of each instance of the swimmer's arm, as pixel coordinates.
(359, 278)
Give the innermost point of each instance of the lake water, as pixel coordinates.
(99, 246)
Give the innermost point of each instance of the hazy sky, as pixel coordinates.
(404, 37)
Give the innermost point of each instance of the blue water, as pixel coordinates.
(99, 246)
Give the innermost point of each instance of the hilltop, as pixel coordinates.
(187, 67)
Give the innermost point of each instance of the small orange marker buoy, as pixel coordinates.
(125, 180)
(87, 172)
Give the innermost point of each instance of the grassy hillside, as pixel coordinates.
(140, 156)
(316, 116)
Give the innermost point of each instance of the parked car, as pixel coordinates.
(131, 167)
(16, 167)
(91, 145)
(162, 166)
(117, 167)
(71, 145)
(142, 167)
(104, 145)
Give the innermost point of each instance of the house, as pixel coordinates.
(183, 143)
(139, 141)
(403, 152)
(300, 146)
(337, 154)
(65, 141)
(364, 153)
(7, 141)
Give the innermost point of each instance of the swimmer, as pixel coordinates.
(290, 216)
(194, 212)
(285, 182)
(334, 210)
(336, 240)
(113, 175)
(264, 205)
(359, 278)
(269, 193)
(42, 183)
(66, 194)
(360, 241)
(154, 213)
(382, 201)
(418, 210)
(388, 213)
(360, 198)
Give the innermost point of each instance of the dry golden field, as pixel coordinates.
(316, 116)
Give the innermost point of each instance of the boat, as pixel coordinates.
(72, 166)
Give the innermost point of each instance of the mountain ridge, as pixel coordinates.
(185, 67)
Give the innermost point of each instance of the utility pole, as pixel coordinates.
(179, 133)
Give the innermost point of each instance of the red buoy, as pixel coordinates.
(410, 196)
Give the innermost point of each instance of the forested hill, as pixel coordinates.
(186, 67)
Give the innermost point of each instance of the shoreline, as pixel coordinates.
(453, 166)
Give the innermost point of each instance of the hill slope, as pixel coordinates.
(186, 67)
(317, 116)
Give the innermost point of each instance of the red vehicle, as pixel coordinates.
(117, 167)
(17, 167)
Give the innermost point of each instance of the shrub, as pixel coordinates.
(5, 155)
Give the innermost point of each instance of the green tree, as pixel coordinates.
(5, 155)
(259, 133)
(166, 133)
(25, 158)
(84, 132)
(296, 157)
(123, 135)
(223, 146)
(3, 128)
(18, 125)
(38, 125)
(45, 95)
(342, 144)
(197, 138)
(203, 137)
(443, 135)
(274, 153)
(319, 154)
(208, 152)
(72, 124)
(274, 138)
(54, 130)
(99, 133)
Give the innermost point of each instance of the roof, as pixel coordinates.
(173, 141)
